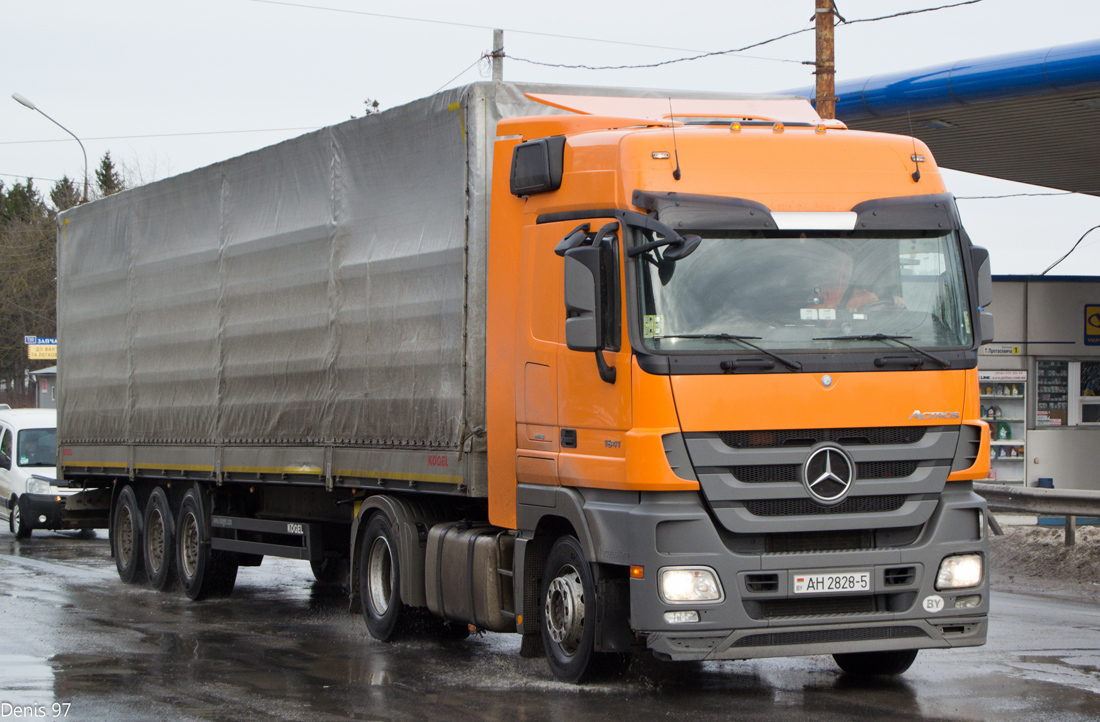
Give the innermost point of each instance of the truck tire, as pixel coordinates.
(869, 664)
(160, 534)
(202, 571)
(126, 537)
(380, 580)
(17, 521)
(567, 612)
(332, 571)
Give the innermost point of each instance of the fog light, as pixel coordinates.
(41, 518)
(968, 602)
(690, 584)
(681, 617)
(961, 570)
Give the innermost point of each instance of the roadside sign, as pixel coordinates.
(42, 352)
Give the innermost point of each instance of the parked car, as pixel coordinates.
(28, 486)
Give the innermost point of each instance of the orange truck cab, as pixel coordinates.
(733, 398)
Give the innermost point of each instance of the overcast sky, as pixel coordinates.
(169, 87)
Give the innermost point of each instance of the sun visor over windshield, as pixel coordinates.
(700, 212)
(917, 213)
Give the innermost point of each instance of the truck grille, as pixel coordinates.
(752, 480)
(804, 507)
(808, 437)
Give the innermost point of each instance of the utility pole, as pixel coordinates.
(498, 56)
(824, 12)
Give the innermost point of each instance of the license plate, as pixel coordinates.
(843, 582)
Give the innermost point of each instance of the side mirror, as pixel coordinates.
(584, 324)
(5, 461)
(979, 257)
(986, 322)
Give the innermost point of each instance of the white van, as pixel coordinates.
(28, 487)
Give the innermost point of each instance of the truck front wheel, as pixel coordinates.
(126, 537)
(567, 611)
(876, 663)
(380, 580)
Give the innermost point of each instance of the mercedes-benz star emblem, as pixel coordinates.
(828, 475)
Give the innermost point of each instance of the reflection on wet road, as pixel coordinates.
(284, 648)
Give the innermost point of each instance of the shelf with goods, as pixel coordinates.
(1051, 393)
(1004, 408)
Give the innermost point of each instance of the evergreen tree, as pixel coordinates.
(65, 194)
(28, 289)
(107, 177)
(22, 203)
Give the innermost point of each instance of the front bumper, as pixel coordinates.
(762, 616)
(44, 511)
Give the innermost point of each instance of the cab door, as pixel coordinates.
(594, 413)
(538, 327)
(7, 489)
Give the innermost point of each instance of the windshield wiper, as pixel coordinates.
(746, 340)
(885, 337)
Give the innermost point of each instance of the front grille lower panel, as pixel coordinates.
(782, 473)
(808, 507)
(874, 436)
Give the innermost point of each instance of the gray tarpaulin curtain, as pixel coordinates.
(326, 290)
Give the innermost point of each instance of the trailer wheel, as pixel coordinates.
(876, 663)
(380, 580)
(160, 532)
(126, 537)
(567, 612)
(17, 522)
(202, 571)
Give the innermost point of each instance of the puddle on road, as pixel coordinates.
(25, 680)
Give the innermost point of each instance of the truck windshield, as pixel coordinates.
(813, 291)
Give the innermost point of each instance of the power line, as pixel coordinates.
(1024, 195)
(667, 62)
(441, 87)
(908, 12)
(162, 135)
(728, 52)
(1070, 250)
(29, 177)
(491, 27)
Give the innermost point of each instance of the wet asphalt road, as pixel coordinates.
(285, 648)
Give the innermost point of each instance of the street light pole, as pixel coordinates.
(24, 101)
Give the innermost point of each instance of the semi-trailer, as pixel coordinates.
(618, 371)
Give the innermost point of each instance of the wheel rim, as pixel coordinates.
(564, 610)
(189, 544)
(125, 535)
(16, 517)
(154, 540)
(380, 576)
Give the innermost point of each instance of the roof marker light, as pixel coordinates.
(735, 127)
(777, 128)
(660, 155)
(820, 129)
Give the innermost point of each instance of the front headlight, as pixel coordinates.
(960, 571)
(38, 486)
(690, 584)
